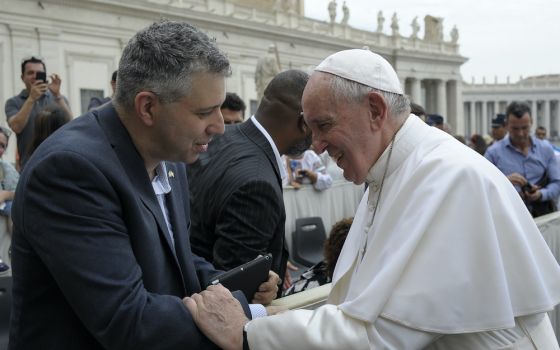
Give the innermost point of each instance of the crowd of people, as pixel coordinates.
(122, 217)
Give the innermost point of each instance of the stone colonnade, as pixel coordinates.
(438, 96)
(478, 114)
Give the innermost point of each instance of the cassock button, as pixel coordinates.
(375, 187)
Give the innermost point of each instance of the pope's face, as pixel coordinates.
(341, 128)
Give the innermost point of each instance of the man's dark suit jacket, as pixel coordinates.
(93, 264)
(239, 210)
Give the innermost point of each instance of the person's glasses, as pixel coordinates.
(3, 145)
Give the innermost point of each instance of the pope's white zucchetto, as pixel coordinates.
(364, 67)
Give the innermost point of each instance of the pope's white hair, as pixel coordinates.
(353, 92)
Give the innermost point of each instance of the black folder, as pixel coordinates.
(247, 277)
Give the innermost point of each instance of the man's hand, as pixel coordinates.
(5, 195)
(311, 175)
(288, 276)
(37, 89)
(517, 179)
(54, 86)
(219, 316)
(533, 196)
(268, 290)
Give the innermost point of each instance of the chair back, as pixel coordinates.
(308, 240)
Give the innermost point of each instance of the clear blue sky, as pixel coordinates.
(500, 37)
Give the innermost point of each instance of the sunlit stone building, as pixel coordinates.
(82, 40)
(483, 101)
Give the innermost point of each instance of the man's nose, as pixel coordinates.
(319, 146)
(216, 124)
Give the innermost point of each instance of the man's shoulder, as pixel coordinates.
(18, 99)
(498, 147)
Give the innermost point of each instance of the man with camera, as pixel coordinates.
(22, 109)
(528, 162)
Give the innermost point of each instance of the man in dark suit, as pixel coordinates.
(237, 184)
(101, 254)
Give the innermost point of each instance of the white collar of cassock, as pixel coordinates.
(401, 149)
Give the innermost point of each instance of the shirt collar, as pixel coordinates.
(160, 182)
(507, 142)
(283, 172)
(402, 147)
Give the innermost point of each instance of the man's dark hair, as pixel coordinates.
(114, 76)
(540, 127)
(31, 59)
(234, 102)
(517, 109)
(49, 119)
(162, 59)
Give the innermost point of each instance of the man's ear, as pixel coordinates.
(378, 109)
(145, 104)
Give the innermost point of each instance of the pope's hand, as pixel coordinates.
(219, 316)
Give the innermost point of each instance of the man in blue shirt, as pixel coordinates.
(529, 163)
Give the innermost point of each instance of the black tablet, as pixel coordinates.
(247, 277)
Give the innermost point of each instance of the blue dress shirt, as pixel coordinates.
(532, 166)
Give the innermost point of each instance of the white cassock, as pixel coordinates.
(453, 261)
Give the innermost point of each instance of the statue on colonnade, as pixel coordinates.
(454, 35)
(395, 25)
(415, 28)
(380, 21)
(345, 14)
(267, 68)
(332, 10)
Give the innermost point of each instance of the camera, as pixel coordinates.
(527, 188)
(41, 76)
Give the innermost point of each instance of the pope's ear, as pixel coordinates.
(145, 102)
(378, 109)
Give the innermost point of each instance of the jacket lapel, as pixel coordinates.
(177, 210)
(133, 164)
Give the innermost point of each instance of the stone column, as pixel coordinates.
(534, 114)
(484, 127)
(441, 95)
(554, 118)
(455, 108)
(496, 108)
(23, 43)
(416, 91)
(468, 119)
(546, 116)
